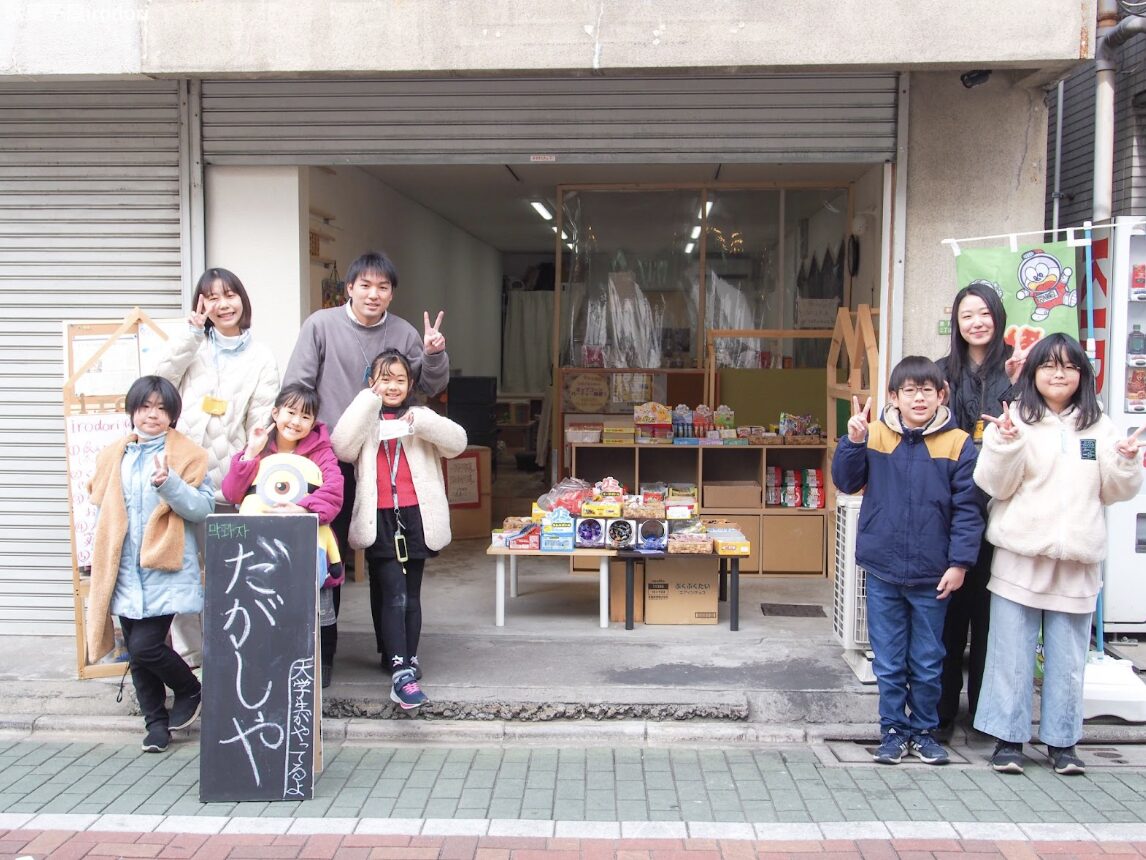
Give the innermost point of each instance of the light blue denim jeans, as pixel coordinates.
(1005, 701)
(905, 628)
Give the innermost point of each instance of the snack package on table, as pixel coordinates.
(568, 493)
(724, 418)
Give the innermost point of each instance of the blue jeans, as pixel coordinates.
(1008, 680)
(905, 628)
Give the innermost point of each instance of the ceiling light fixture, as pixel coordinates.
(688, 248)
(541, 209)
(695, 234)
(707, 209)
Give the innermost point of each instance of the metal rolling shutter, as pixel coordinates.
(89, 227)
(733, 118)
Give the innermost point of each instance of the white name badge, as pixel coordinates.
(393, 429)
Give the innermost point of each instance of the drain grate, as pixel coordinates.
(793, 610)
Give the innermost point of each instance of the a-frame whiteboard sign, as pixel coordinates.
(101, 360)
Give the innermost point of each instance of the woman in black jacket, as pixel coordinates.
(978, 369)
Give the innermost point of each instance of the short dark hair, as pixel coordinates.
(1057, 349)
(231, 284)
(373, 263)
(298, 394)
(915, 368)
(143, 388)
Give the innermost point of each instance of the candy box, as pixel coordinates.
(620, 534)
(589, 532)
(602, 508)
(527, 538)
(652, 534)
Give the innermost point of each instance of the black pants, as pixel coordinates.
(328, 636)
(155, 665)
(969, 611)
(396, 608)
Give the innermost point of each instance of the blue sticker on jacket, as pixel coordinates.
(1089, 448)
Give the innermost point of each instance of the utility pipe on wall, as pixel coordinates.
(1112, 35)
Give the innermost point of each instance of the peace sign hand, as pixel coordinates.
(256, 441)
(857, 424)
(433, 340)
(1013, 366)
(1006, 427)
(160, 473)
(198, 317)
(1129, 446)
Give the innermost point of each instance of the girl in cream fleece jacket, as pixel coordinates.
(1050, 463)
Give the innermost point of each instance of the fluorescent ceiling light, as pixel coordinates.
(569, 245)
(695, 234)
(541, 209)
(707, 209)
(688, 248)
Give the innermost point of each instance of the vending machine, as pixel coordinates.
(1124, 398)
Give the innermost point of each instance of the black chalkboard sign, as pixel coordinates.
(259, 732)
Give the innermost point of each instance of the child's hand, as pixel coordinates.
(198, 317)
(160, 473)
(952, 581)
(256, 441)
(1014, 365)
(1008, 432)
(1128, 447)
(857, 424)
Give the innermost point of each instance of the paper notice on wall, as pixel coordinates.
(86, 436)
(463, 480)
(816, 313)
(113, 372)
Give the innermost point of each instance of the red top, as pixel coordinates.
(407, 496)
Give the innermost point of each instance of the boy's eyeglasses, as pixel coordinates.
(910, 391)
(1051, 366)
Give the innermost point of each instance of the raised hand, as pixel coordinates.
(1014, 365)
(433, 340)
(857, 424)
(198, 317)
(256, 441)
(1006, 427)
(1129, 446)
(160, 474)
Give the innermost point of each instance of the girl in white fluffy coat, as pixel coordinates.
(401, 516)
(1050, 463)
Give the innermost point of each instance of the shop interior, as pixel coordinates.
(549, 272)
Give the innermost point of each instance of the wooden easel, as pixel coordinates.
(81, 454)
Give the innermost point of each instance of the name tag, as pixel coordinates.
(214, 405)
(1088, 448)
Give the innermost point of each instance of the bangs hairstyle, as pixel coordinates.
(998, 351)
(373, 263)
(143, 388)
(918, 369)
(300, 397)
(231, 284)
(387, 359)
(1057, 349)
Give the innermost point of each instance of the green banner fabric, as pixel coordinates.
(1039, 287)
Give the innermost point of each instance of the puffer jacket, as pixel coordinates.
(141, 592)
(922, 512)
(356, 440)
(247, 377)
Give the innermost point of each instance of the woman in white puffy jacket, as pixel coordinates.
(228, 383)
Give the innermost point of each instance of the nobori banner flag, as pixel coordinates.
(1038, 286)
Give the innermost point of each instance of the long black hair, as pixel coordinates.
(1057, 349)
(997, 350)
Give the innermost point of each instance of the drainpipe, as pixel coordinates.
(1112, 35)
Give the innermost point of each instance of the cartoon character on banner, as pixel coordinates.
(284, 478)
(1046, 282)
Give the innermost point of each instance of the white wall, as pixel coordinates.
(440, 266)
(257, 227)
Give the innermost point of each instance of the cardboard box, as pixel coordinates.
(682, 591)
(731, 494)
(475, 522)
(617, 591)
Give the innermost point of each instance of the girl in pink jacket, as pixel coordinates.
(294, 430)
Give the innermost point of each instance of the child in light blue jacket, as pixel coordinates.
(150, 488)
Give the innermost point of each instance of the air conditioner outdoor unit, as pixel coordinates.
(849, 604)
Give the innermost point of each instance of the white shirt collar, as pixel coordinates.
(354, 319)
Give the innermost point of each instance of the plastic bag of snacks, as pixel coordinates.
(568, 493)
(724, 418)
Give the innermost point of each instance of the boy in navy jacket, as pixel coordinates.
(919, 531)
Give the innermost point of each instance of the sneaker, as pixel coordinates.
(928, 750)
(892, 748)
(157, 739)
(185, 710)
(406, 691)
(1008, 757)
(416, 666)
(1065, 760)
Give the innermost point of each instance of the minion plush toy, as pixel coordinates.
(286, 478)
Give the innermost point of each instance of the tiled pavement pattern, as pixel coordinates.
(107, 799)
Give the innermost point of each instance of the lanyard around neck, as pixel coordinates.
(393, 464)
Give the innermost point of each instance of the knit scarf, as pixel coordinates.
(163, 538)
